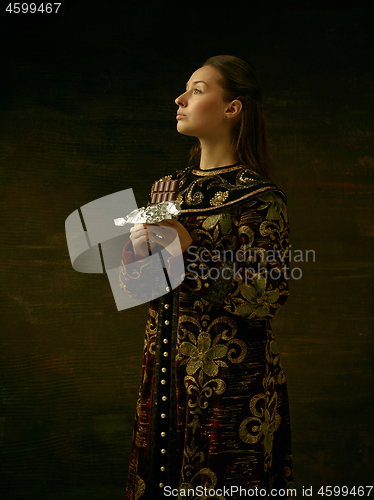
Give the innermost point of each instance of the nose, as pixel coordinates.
(180, 100)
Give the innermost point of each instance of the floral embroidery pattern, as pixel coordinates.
(267, 422)
(202, 355)
(258, 299)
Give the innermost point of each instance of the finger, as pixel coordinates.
(143, 240)
(137, 229)
(138, 236)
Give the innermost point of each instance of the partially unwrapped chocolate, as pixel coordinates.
(163, 206)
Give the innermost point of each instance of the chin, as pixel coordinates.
(185, 130)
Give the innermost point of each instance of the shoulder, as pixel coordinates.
(270, 205)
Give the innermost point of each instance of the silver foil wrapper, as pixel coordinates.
(151, 214)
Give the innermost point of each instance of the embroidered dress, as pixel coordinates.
(213, 408)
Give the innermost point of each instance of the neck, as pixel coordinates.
(216, 154)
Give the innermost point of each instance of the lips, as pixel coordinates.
(180, 115)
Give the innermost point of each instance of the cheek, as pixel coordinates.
(209, 109)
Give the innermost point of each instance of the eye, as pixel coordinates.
(197, 90)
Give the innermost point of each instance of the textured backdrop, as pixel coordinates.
(87, 109)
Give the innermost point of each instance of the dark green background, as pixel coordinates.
(87, 109)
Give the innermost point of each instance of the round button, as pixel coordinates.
(163, 434)
(166, 306)
(161, 485)
(163, 381)
(168, 288)
(163, 415)
(163, 370)
(167, 322)
(163, 451)
(166, 354)
(164, 398)
(165, 341)
(162, 469)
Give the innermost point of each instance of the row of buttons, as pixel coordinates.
(163, 382)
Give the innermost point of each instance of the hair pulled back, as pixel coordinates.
(249, 140)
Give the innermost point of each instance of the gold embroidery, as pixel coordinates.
(216, 179)
(224, 220)
(201, 392)
(257, 299)
(276, 206)
(213, 480)
(166, 178)
(242, 354)
(244, 178)
(140, 487)
(219, 198)
(151, 331)
(202, 355)
(268, 420)
(196, 198)
(237, 200)
(209, 173)
(250, 235)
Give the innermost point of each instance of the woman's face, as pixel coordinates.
(201, 109)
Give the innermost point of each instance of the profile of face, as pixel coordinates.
(202, 108)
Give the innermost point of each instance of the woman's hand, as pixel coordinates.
(140, 241)
(174, 237)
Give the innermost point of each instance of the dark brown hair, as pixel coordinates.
(249, 141)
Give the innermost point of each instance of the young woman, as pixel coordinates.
(212, 417)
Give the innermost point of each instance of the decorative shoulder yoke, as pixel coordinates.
(209, 190)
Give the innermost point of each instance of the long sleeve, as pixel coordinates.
(143, 279)
(239, 258)
(135, 274)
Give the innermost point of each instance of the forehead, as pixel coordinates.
(207, 74)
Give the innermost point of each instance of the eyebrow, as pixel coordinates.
(198, 81)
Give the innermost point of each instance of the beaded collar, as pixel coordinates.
(212, 190)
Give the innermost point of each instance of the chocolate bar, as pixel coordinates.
(164, 191)
(163, 206)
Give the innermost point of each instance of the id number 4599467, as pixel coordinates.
(25, 8)
(344, 491)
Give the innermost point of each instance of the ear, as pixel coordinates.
(233, 109)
